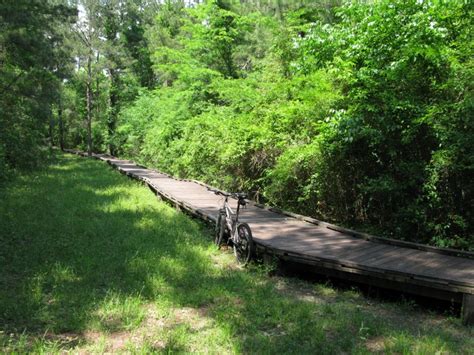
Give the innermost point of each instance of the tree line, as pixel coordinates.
(355, 112)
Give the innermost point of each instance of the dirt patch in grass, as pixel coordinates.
(152, 331)
(112, 342)
(152, 319)
(375, 345)
(64, 340)
(301, 291)
(196, 318)
(221, 261)
(118, 341)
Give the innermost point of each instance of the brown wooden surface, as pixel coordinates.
(320, 243)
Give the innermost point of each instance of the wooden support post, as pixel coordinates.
(272, 262)
(268, 259)
(468, 309)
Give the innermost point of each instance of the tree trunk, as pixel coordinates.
(60, 124)
(89, 104)
(112, 121)
(51, 130)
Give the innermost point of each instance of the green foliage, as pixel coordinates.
(177, 131)
(355, 112)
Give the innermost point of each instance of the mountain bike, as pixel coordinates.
(238, 233)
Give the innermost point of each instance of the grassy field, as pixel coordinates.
(90, 261)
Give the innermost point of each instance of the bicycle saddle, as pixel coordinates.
(241, 198)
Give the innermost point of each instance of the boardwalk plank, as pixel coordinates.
(365, 252)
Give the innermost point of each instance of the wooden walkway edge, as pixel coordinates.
(326, 248)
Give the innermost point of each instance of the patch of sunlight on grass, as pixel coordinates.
(96, 345)
(404, 343)
(20, 344)
(118, 312)
(400, 343)
(61, 273)
(429, 345)
(145, 223)
(325, 290)
(184, 336)
(352, 294)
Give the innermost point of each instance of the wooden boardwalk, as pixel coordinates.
(326, 248)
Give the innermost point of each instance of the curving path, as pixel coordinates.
(328, 249)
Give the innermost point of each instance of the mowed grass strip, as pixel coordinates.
(90, 261)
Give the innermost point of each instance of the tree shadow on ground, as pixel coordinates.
(84, 248)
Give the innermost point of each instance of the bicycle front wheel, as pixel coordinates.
(220, 230)
(243, 243)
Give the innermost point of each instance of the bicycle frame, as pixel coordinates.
(229, 214)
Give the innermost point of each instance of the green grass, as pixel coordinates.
(91, 261)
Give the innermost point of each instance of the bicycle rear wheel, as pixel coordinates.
(243, 245)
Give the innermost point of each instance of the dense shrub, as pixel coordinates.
(396, 152)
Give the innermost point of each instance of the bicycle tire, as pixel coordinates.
(220, 229)
(244, 249)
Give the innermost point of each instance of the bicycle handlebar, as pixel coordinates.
(218, 192)
(236, 195)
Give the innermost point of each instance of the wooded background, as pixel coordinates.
(354, 112)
